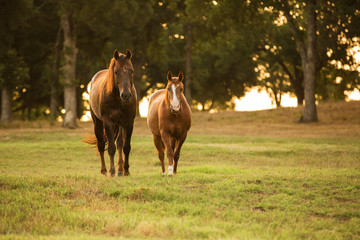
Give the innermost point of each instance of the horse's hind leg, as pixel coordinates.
(99, 133)
(160, 148)
(120, 144)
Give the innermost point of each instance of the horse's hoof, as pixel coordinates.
(170, 170)
(103, 172)
(112, 172)
(126, 173)
(119, 173)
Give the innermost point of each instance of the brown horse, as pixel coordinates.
(169, 118)
(113, 107)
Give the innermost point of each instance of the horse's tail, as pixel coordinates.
(92, 140)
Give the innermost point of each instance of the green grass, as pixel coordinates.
(242, 187)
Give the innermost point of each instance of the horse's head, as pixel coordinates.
(123, 74)
(174, 89)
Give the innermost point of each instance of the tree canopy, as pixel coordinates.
(226, 46)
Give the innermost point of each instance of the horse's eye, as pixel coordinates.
(168, 89)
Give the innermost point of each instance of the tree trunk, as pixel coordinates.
(310, 114)
(278, 99)
(70, 54)
(54, 82)
(188, 62)
(298, 86)
(300, 96)
(308, 56)
(5, 105)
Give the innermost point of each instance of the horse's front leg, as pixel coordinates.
(178, 146)
(120, 144)
(127, 148)
(166, 138)
(109, 129)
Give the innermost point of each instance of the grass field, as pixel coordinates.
(253, 175)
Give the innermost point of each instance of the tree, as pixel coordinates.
(275, 47)
(54, 79)
(13, 75)
(318, 31)
(13, 70)
(216, 47)
(338, 23)
(274, 80)
(222, 51)
(70, 52)
(307, 50)
(188, 60)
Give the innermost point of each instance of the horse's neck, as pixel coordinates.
(166, 99)
(106, 92)
(109, 83)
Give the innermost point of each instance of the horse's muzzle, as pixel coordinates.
(126, 96)
(175, 109)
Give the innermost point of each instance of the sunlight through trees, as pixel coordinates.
(225, 48)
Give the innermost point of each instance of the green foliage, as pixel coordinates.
(335, 25)
(15, 72)
(13, 69)
(29, 31)
(222, 53)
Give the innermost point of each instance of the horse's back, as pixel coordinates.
(95, 88)
(100, 75)
(154, 103)
(157, 97)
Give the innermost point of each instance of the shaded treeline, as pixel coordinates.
(49, 50)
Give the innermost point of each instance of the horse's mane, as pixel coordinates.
(109, 80)
(166, 99)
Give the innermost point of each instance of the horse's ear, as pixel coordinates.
(169, 76)
(116, 55)
(181, 76)
(128, 54)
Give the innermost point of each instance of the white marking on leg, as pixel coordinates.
(171, 170)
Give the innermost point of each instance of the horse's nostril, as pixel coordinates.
(126, 96)
(175, 109)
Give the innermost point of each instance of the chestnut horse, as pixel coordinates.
(113, 108)
(169, 118)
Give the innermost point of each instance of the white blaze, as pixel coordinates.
(175, 102)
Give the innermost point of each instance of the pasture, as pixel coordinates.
(245, 175)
